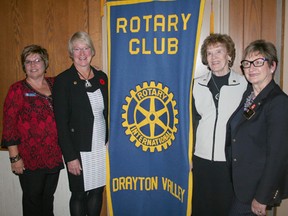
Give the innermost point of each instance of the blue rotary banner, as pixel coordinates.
(151, 58)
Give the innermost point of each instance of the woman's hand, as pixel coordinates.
(74, 167)
(258, 208)
(18, 167)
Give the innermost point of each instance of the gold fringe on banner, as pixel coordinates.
(212, 18)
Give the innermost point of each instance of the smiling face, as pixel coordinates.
(259, 76)
(218, 58)
(82, 54)
(34, 66)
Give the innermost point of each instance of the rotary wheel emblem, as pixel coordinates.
(150, 117)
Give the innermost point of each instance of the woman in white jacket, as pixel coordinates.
(215, 96)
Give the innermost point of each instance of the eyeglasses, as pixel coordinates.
(257, 62)
(78, 50)
(36, 61)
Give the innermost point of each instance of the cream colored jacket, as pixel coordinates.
(211, 129)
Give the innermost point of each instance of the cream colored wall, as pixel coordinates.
(283, 209)
(11, 194)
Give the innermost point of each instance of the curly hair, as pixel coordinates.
(214, 39)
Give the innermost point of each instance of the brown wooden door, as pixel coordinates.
(47, 23)
(250, 20)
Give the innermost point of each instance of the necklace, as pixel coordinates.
(43, 94)
(87, 83)
(249, 101)
(218, 94)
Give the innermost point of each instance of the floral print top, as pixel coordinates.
(29, 122)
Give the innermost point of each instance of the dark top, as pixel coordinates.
(74, 116)
(73, 111)
(215, 84)
(257, 147)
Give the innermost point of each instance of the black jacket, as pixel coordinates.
(257, 148)
(73, 112)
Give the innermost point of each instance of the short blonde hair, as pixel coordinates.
(83, 37)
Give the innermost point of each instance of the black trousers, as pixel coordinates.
(86, 203)
(240, 209)
(212, 188)
(38, 192)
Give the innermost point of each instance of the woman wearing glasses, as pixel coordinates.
(257, 136)
(30, 134)
(80, 105)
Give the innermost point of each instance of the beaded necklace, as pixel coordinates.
(249, 101)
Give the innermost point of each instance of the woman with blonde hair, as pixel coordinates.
(81, 106)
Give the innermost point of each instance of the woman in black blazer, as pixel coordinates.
(80, 105)
(257, 136)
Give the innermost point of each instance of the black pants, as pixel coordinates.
(212, 188)
(86, 203)
(38, 192)
(240, 209)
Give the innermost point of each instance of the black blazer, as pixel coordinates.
(257, 148)
(73, 112)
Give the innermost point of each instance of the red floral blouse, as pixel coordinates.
(29, 122)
